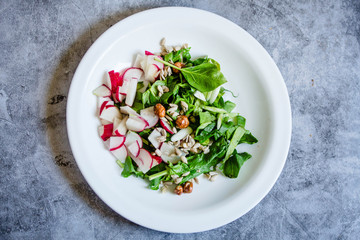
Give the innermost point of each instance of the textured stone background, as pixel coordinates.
(316, 45)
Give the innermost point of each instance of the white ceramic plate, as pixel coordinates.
(250, 72)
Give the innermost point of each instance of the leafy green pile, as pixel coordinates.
(212, 122)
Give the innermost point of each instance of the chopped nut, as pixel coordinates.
(158, 152)
(169, 49)
(174, 176)
(165, 89)
(179, 65)
(177, 48)
(188, 187)
(161, 138)
(178, 152)
(178, 190)
(183, 159)
(168, 118)
(163, 132)
(185, 174)
(213, 178)
(163, 42)
(194, 150)
(164, 189)
(159, 110)
(174, 129)
(196, 180)
(182, 121)
(184, 106)
(168, 183)
(174, 114)
(178, 180)
(161, 91)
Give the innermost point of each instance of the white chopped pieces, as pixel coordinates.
(183, 159)
(178, 180)
(158, 152)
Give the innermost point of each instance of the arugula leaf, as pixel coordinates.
(206, 117)
(239, 132)
(129, 169)
(151, 96)
(206, 133)
(233, 165)
(183, 55)
(155, 182)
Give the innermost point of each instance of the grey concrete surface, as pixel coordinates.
(316, 45)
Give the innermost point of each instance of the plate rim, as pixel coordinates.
(272, 66)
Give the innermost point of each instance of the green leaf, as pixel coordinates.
(214, 109)
(183, 55)
(233, 165)
(229, 106)
(206, 117)
(248, 138)
(130, 169)
(204, 77)
(239, 132)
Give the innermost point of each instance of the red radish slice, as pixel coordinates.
(110, 112)
(104, 122)
(120, 97)
(102, 106)
(143, 89)
(124, 88)
(147, 161)
(120, 153)
(153, 138)
(130, 97)
(149, 115)
(102, 91)
(181, 134)
(166, 126)
(134, 148)
(114, 79)
(138, 59)
(116, 142)
(128, 110)
(151, 73)
(120, 129)
(157, 159)
(116, 123)
(147, 53)
(132, 137)
(135, 124)
(152, 60)
(105, 131)
(132, 73)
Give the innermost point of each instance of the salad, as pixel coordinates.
(165, 120)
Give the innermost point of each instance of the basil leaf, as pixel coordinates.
(233, 165)
(204, 77)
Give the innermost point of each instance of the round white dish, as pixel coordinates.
(263, 100)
